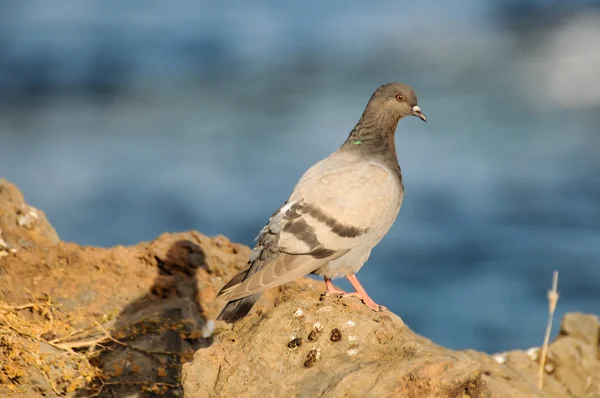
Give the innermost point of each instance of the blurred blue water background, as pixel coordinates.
(123, 121)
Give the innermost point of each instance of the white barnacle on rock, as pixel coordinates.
(317, 326)
(352, 352)
(533, 353)
(350, 324)
(27, 216)
(298, 313)
(500, 358)
(352, 339)
(208, 329)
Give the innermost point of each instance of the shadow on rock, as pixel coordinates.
(156, 333)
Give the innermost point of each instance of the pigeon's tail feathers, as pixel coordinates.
(237, 309)
(236, 280)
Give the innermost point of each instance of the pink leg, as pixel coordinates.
(361, 293)
(330, 289)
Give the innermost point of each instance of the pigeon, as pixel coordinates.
(337, 213)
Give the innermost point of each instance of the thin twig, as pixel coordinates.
(552, 300)
(140, 350)
(19, 307)
(73, 334)
(84, 343)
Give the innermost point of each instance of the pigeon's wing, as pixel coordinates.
(337, 205)
(272, 264)
(347, 201)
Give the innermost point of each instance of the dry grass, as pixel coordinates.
(28, 352)
(39, 345)
(552, 300)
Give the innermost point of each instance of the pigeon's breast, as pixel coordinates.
(366, 196)
(352, 189)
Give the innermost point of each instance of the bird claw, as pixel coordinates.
(368, 301)
(331, 290)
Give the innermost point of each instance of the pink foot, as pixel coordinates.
(367, 300)
(331, 290)
(361, 293)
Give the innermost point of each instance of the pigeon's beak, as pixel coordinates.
(416, 111)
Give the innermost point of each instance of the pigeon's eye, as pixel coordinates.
(399, 97)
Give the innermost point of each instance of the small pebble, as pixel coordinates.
(533, 353)
(336, 335)
(295, 343)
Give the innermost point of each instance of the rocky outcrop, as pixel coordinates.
(305, 347)
(20, 224)
(310, 348)
(123, 321)
(119, 320)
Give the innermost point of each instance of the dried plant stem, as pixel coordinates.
(23, 333)
(150, 353)
(552, 300)
(70, 336)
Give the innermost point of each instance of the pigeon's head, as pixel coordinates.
(398, 99)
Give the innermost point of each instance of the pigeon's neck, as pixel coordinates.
(374, 136)
(374, 133)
